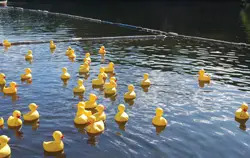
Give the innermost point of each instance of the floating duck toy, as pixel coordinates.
(52, 45)
(203, 77)
(2, 79)
(84, 68)
(99, 81)
(65, 75)
(121, 115)
(27, 74)
(69, 51)
(145, 81)
(102, 50)
(56, 145)
(242, 113)
(33, 114)
(102, 71)
(131, 93)
(5, 150)
(91, 103)
(108, 84)
(14, 120)
(110, 68)
(10, 90)
(29, 55)
(158, 120)
(95, 127)
(6, 43)
(87, 58)
(80, 87)
(110, 88)
(1, 121)
(72, 55)
(82, 114)
(100, 115)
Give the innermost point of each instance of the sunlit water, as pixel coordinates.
(201, 120)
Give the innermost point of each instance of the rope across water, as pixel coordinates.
(157, 34)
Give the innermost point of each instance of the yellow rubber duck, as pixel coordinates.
(82, 114)
(52, 45)
(203, 77)
(121, 115)
(80, 87)
(110, 68)
(108, 84)
(56, 145)
(102, 50)
(87, 58)
(6, 43)
(91, 103)
(69, 51)
(84, 68)
(110, 88)
(5, 150)
(29, 55)
(1, 121)
(145, 81)
(131, 93)
(95, 127)
(2, 79)
(14, 120)
(27, 74)
(72, 55)
(242, 113)
(65, 75)
(100, 115)
(102, 71)
(10, 90)
(99, 81)
(158, 120)
(32, 114)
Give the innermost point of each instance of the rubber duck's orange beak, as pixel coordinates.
(18, 116)
(105, 108)
(62, 136)
(4, 77)
(245, 110)
(96, 98)
(16, 86)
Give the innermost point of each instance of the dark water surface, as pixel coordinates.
(201, 120)
(217, 20)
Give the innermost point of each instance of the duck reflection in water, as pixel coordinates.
(92, 140)
(81, 128)
(30, 61)
(28, 81)
(98, 87)
(242, 123)
(17, 130)
(112, 97)
(52, 51)
(145, 88)
(65, 82)
(159, 129)
(79, 95)
(84, 75)
(34, 124)
(102, 58)
(122, 125)
(202, 83)
(14, 96)
(129, 101)
(59, 154)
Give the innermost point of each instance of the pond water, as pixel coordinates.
(201, 120)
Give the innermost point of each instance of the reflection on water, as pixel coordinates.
(199, 118)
